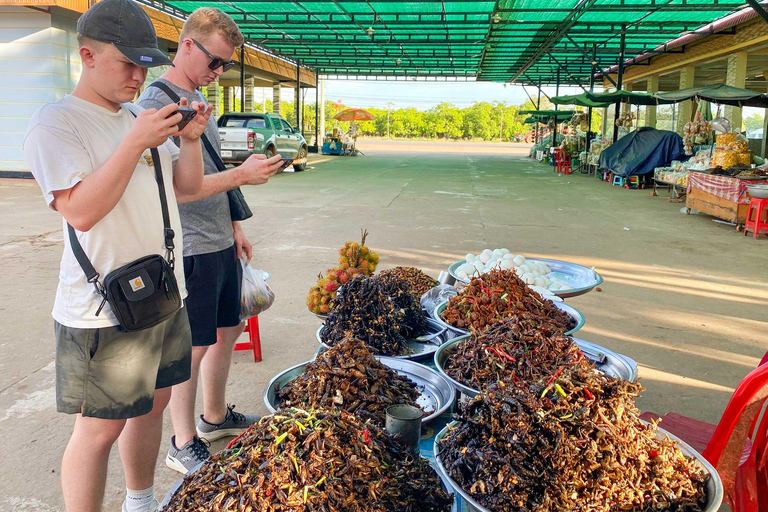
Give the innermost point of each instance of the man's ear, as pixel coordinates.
(88, 56)
(187, 46)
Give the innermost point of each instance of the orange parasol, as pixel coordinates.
(354, 114)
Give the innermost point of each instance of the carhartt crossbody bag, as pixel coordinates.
(142, 293)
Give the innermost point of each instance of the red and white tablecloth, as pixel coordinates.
(730, 189)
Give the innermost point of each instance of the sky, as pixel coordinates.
(421, 95)
(424, 95)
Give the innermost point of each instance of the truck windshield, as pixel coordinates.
(243, 122)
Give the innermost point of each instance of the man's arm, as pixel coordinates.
(255, 171)
(188, 172)
(96, 195)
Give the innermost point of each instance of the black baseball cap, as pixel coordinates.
(124, 24)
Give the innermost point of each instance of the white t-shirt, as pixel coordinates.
(65, 142)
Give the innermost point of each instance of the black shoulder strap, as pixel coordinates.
(167, 90)
(217, 161)
(168, 234)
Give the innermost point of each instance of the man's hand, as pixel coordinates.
(258, 169)
(197, 125)
(151, 128)
(242, 245)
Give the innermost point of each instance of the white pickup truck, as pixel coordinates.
(245, 134)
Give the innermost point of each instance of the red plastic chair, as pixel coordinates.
(254, 339)
(562, 162)
(736, 446)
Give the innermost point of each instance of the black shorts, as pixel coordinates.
(213, 284)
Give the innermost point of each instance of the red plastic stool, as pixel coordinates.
(757, 217)
(254, 339)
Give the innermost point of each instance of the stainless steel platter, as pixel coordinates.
(438, 334)
(569, 310)
(455, 507)
(609, 362)
(580, 278)
(714, 486)
(436, 392)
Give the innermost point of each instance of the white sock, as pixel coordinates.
(139, 501)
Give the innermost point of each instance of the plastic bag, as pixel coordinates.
(437, 295)
(255, 295)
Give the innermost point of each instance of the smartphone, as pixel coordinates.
(186, 116)
(285, 163)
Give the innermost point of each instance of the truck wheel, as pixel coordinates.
(300, 163)
(270, 152)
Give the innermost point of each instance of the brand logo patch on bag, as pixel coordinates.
(137, 284)
(149, 160)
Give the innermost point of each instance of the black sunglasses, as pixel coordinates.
(215, 61)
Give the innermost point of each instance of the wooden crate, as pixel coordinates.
(716, 206)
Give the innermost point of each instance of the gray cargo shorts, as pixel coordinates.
(112, 374)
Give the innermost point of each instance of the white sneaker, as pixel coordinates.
(154, 506)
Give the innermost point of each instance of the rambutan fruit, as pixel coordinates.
(343, 278)
(325, 300)
(331, 286)
(371, 267)
(324, 309)
(364, 250)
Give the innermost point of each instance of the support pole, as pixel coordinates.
(619, 76)
(557, 93)
(297, 106)
(591, 89)
(317, 114)
(536, 124)
(242, 79)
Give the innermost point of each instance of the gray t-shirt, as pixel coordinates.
(207, 224)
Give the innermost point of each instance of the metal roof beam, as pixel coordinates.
(555, 36)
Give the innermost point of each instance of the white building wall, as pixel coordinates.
(39, 63)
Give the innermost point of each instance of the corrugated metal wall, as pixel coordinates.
(39, 64)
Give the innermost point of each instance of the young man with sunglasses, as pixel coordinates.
(213, 244)
(109, 169)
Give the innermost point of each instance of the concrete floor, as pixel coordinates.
(684, 296)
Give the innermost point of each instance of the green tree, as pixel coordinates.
(753, 122)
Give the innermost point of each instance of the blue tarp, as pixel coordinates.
(641, 151)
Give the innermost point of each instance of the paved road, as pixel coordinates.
(684, 296)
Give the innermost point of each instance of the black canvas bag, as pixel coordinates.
(238, 208)
(142, 293)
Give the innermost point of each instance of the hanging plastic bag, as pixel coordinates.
(255, 295)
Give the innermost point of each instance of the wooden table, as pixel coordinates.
(723, 197)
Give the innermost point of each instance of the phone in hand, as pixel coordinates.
(187, 114)
(285, 163)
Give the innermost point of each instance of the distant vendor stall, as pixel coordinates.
(724, 197)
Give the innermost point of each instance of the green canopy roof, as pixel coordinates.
(633, 98)
(521, 41)
(581, 100)
(544, 116)
(720, 93)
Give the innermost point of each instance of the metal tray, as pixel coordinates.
(615, 365)
(436, 391)
(569, 310)
(421, 350)
(714, 486)
(580, 278)
(758, 191)
(447, 487)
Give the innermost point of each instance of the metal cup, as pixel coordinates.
(404, 422)
(445, 278)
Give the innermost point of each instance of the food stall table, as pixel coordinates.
(724, 197)
(676, 181)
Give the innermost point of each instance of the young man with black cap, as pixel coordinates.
(213, 243)
(93, 155)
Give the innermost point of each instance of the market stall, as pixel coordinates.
(721, 196)
(551, 119)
